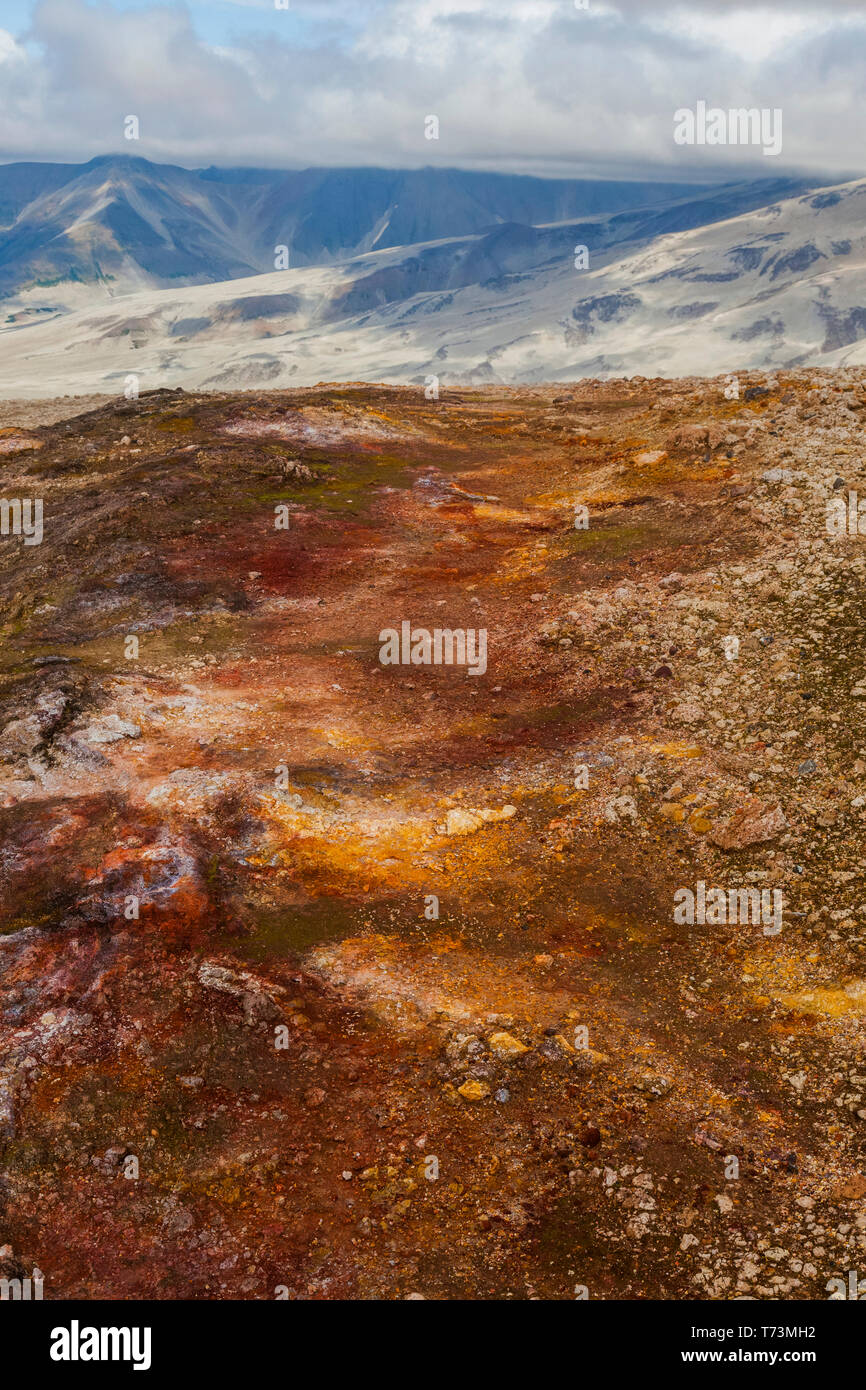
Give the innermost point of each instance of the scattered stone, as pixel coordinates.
(473, 1090)
(505, 1046)
(751, 824)
(110, 728)
(619, 808)
(295, 471)
(466, 822)
(689, 437)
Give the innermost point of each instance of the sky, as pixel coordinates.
(530, 86)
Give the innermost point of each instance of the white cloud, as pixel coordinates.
(10, 51)
(528, 84)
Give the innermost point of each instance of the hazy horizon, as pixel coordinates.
(661, 175)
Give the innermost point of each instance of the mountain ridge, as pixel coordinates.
(123, 222)
(777, 282)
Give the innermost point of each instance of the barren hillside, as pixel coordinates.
(364, 980)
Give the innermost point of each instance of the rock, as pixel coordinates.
(214, 976)
(505, 1046)
(650, 457)
(590, 1137)
(619, 808)
(11, 443)
(807, 768)
(473, 1090)
(314, 1097)
(688, 712)
(466, 822)
(295, 471)
(259, 1006)
(751, 824)
(689, 437)
(585, 1058)
(177, 1220)
(20, 737)
(111, 728)
(854, 1189)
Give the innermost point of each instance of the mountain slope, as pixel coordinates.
(780, 285)
(123, 222)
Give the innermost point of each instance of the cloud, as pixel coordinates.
(529, 84)
(10, 51)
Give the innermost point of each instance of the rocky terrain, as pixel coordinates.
(322, 978)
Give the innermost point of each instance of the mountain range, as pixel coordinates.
(121, 266)
(122, 222)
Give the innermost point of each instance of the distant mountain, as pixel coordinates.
(753, 275)
(121, 223)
